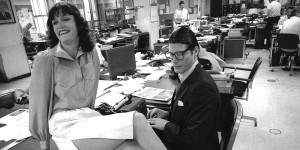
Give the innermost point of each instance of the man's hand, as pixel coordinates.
(157, 113)
(158, 123)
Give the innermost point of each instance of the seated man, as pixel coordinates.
(292, 25)
(191, 122)
(26, 33)
(286, 15)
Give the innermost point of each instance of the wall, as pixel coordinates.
(143, 18)
(174, 4)
(143, 21)
(12, 50)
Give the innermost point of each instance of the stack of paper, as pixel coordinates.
(17, 125)
(156, 75)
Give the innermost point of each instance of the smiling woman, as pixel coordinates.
(63, 90)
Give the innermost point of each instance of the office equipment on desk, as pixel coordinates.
(234, 48)
(236, 32)
(138, 104)
(121, 60)
(288, 44)
(241, 85)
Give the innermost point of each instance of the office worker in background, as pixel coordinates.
(292, 25)
(4, 15)
(63, 91)
(26, 33)
(181, 14)
(285, 15)
(191, 122)
(273, 13)
(216, 61)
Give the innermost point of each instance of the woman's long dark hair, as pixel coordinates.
(85, 39)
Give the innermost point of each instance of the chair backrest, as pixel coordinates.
(287, 41)
(231, 115)
(254, 69)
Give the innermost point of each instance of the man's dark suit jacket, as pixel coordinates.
(194, 112)
(7, 16)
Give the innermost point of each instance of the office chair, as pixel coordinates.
(229, 122)
(241, 85)
(288, 44)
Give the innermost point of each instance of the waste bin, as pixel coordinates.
(259, 37)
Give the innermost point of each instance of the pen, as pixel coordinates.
(107, 91)
(111, 86)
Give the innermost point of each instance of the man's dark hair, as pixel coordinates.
(294, 12)
(181, 2)
(184, 35)
(85, 40)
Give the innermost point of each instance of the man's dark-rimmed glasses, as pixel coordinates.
(179, 55)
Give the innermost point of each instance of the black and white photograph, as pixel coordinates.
(6, 12)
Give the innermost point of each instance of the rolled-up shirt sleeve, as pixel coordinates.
(40, 96)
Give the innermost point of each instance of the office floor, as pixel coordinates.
(274, 99)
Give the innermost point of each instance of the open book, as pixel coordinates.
(154, 94)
